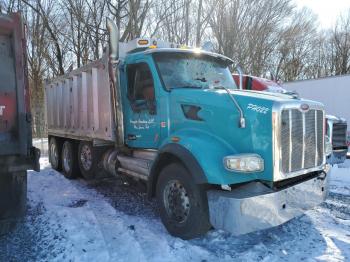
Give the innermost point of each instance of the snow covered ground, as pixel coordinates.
(110, 220)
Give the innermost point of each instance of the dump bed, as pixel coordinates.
(79, 104)
(15, 130)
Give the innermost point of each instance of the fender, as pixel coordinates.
(176, 151)
(202, 154)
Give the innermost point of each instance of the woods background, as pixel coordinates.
(260, 35)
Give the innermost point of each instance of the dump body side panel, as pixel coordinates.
(79, 104)
(15, 129)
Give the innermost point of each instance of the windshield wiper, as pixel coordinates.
(201, 79)
(294, 94)
(187, 86)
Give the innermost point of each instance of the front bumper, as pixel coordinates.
(255, 206)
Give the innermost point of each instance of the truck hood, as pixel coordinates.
(217, 97)
(218, 116)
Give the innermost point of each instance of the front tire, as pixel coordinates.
(13, 199)
(69, 160)
(183, 205)
(87, 159)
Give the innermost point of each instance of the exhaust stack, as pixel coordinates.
(113, 31)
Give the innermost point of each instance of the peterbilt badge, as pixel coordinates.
(304, 107)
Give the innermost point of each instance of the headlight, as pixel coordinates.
(244, 163)
(328, 146)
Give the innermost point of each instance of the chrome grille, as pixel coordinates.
(320, 141)
(301, 139)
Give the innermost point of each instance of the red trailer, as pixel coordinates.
(258, 83)
(17, 155)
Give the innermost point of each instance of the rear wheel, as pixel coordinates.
(69, 160)
(183, 204)
(54, 154)
(87, 159)
(13, 196)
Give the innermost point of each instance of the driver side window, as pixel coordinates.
(141, 93)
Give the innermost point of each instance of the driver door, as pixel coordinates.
(141, 120)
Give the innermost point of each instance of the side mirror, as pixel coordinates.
(240, 72)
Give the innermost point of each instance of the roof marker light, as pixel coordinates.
(143, 42)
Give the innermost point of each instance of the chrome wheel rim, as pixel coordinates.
(66, 159)
(54, 155)
(176, 201)
(86, 157)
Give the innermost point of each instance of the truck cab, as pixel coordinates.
(162, 92)
(212, 154)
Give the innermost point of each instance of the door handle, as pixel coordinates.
(132, 137)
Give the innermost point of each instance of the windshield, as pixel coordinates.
(184, 70)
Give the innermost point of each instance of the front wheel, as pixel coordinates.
(183, 204)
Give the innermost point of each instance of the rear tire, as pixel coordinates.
(69, 160)
(183, 204)
(87, 159)
(55, 154)
(13, 199)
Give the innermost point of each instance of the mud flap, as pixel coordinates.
(13, 196)
(35, 153)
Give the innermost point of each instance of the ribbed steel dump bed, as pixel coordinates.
(79, 104)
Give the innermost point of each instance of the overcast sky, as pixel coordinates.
(327, 10)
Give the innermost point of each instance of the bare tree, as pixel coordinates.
(51, 28)
(247, 31)
(341, 44)
(97, 10)
(76, 13)
(8, 6)
(37, 45)
(294, 54)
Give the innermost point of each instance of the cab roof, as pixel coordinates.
(198, 52)
(188, 51)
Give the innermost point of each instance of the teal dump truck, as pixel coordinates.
(212, 154)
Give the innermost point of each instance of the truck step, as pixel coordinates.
(132, 173)
(145, 154)
(138, 165)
